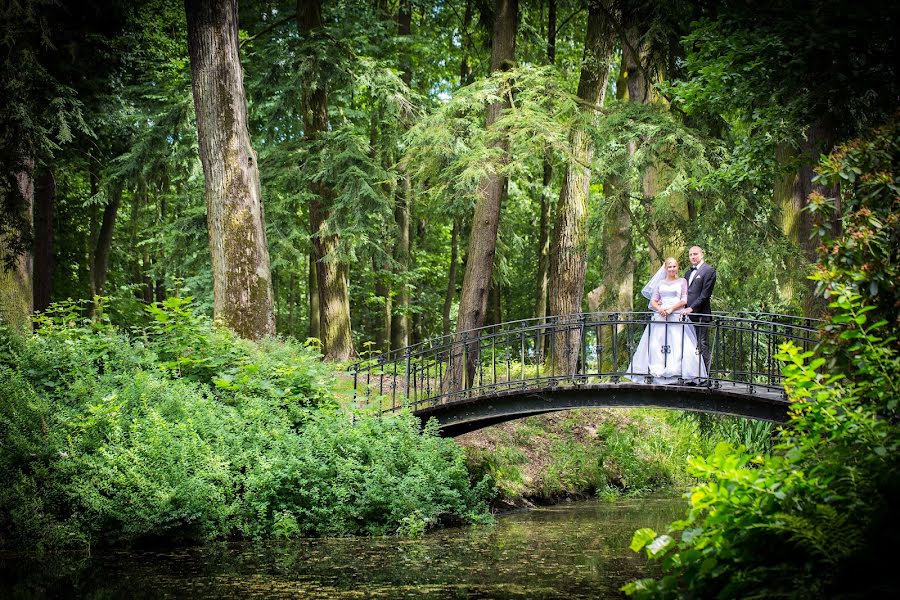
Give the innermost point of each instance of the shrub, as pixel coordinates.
(816, 519)
(182, 431)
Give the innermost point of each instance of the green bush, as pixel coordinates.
(182, 431)
(817, 518)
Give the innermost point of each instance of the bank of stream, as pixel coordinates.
(571, 550)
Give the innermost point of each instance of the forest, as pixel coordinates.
(210, 208)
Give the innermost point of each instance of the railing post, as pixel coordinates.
(582, 350)
(408, 353)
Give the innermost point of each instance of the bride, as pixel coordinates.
(667, 351)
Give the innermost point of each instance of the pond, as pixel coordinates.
(572, 550)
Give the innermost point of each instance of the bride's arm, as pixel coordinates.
(654, 301)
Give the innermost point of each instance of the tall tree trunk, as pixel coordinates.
(292, 302)
(160, 288)
(465, 78)
(242, 280)
(16, 294)
(383, 290)
(44, 207)
(640, 91)
(787, 197)
(102, 250)
(451, 277)
(486, 217)
(568, 255)
(315, 315)
(400, 328)
(543, 272)
(94, 219)
(380, 266)
(332, 273)
(816, 142)
(616, 290)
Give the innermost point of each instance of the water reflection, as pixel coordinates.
(572, 550)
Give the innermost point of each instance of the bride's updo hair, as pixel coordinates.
(672, 258)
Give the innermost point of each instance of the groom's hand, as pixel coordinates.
(688, 310)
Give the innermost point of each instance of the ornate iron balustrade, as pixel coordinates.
(579, 350)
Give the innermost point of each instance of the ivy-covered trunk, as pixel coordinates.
(486, 218)
(242, 284)
(16, 265)
(332, 274)
(568, 253)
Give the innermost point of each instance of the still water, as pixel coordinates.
(573, 550)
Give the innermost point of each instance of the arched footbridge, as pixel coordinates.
(473, 379)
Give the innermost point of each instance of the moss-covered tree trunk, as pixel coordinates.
(16, 293)
(486, 217)
(799, 224)
(568, 252)
(332, 274)
(242, 282)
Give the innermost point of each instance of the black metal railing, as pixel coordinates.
(577, 350)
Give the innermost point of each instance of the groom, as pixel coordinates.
(701, 279)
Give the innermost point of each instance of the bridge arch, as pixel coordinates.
(473, 379)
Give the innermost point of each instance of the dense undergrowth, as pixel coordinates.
(601, 452)
(817, 518)
(181, 431)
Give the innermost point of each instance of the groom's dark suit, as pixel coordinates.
(700, 291)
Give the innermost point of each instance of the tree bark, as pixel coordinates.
(401, 319)
(44, 207)
(400, 327)
(616, 290)
(383, 290)
(486, 217)
(332, 273)
(465, 78)
(16, 295)
(242, 280)
(451, 277)
(100, 268)
(568, 255)
(315, 328)
(543, 272)
(801, 223)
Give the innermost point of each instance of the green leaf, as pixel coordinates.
(641, 538)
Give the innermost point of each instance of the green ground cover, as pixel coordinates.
(180, 431)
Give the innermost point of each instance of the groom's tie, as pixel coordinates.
(692, 275)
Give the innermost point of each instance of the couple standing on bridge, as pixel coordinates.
(674, 347)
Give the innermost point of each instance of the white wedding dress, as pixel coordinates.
(667, 351)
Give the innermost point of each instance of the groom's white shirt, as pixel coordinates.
(694, 272)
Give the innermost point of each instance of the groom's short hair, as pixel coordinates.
(703, 252)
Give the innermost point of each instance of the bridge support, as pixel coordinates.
(462, 417)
